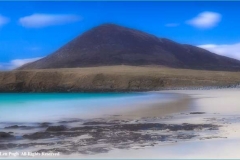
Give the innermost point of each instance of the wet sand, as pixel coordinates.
(194, 125)
(180, 103)
(220, 107)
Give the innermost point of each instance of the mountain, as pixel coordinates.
(110, 44)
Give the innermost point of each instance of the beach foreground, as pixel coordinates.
(189, 124)
(219, 107)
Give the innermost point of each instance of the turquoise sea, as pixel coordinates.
(39, 107)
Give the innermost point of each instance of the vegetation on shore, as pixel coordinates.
(113, 79)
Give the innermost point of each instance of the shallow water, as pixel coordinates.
(35, 107)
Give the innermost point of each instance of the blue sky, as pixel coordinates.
(30, 30)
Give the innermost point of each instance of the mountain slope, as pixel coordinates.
(110, 44)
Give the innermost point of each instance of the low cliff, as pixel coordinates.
(111, 78)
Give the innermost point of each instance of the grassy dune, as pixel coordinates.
(112, 78)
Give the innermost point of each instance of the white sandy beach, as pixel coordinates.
(221, 105)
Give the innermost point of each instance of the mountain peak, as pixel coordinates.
(109, 25)
(111, 44)
(117, 33)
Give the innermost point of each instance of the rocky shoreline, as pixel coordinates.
(101, 135)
